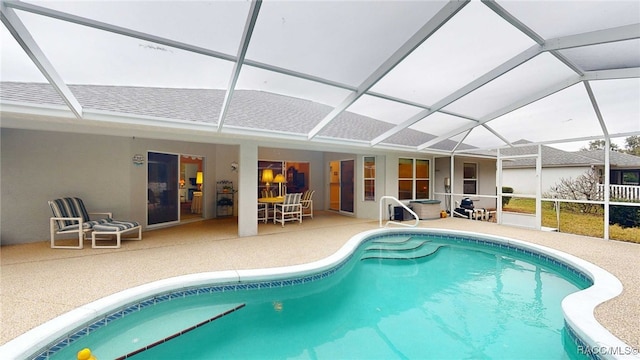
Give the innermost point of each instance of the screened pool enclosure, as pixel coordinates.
(445, 78)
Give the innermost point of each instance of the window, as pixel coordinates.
(631, 177)
(295, 177)
(470, 178)
(369, 164)
(413, 179)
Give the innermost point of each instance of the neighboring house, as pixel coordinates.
(558, 164)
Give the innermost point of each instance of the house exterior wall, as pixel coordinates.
(523, 181)
(486, 180)
(362, 209)
(38, 166)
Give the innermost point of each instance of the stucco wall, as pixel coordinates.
(38, 166)
(486, 179)
(523, 181)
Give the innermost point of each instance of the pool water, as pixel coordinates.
(399, 297)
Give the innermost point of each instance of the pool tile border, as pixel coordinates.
(315, 273)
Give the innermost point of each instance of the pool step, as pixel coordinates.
(138, 331)
(180, 333)
(397, 246)
(394, 240)
(400, 250)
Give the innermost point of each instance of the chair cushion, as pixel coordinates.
(290, 202)
(69, 207)
(85, 225)
(115, 226)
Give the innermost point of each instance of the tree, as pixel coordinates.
(632, 145)
(599, 145)
(584, 187)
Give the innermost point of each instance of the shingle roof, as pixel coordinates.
(552, 157)
(617, 159)
(248, 109)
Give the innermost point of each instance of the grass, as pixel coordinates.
(573, 222)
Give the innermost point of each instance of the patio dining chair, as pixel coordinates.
(307, 203)
(263, 214)
(289, 210)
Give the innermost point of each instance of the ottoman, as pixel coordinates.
(114, 228)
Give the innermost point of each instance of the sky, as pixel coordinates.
(345, 42)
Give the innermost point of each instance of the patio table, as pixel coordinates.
(271, 200)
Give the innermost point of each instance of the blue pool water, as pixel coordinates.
(398, 297)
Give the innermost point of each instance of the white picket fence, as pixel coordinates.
(623, 192)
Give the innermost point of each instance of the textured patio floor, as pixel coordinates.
(39, 283)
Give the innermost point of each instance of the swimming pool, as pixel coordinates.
(323, 287)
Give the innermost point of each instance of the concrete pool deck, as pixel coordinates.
(39, 283)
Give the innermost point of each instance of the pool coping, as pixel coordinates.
(578, 308)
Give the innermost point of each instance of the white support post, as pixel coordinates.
(452, 187)
(539, 188)
(499, 188)
(247, 193)
(607, 185)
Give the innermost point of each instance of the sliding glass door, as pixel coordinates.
(162, 188)
(341, 185)
(347, 177)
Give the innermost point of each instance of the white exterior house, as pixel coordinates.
(388, 85)
(107, 166)
(520, 174)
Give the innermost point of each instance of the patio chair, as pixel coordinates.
(462, 212)
(71, 217)
(289, 210)
(263, 214)
(307, 203)
(467, 210)
(267, 193)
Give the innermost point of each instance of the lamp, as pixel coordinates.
(199, 180)
(267, 177)
(279, 179)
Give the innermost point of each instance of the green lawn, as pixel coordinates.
(573, 222)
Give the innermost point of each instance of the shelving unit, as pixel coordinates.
(225, 198)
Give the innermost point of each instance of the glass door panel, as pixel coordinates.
(162, 188)
(334, 184)
(347, 168)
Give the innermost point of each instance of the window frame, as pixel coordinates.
(466, 180)
(414, 178)
(368, 182)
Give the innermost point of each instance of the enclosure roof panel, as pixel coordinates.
(412, 76)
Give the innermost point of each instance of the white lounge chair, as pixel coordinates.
(71, 217)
